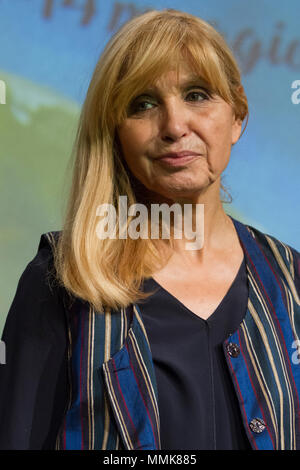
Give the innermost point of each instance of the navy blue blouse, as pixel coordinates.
(197, 404)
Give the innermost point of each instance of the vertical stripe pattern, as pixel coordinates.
(93, 338)
(266, 380)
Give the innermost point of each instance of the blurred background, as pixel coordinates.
(48, 50)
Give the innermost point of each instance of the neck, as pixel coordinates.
(210, 225)
(217, 235)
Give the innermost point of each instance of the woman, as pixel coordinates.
(137, 342)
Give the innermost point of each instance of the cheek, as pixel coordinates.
(221, 133)
(218, 144)
(220, 124)
(134, 139)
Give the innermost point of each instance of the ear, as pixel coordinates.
(236, 129)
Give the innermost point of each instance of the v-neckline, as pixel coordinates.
(219, 306)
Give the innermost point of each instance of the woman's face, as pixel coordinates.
(176, 117)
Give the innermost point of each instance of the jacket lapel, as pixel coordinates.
(267, 382)
(131, 387)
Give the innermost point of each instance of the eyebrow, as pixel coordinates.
(183, 85)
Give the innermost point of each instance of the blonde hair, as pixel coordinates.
(108, 273)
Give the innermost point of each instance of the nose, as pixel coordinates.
(174, 121)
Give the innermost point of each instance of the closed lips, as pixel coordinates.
(185, 153)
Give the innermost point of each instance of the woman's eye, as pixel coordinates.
(142, 105)
(198, 95)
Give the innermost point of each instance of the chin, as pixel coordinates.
(180, 193)
(184, 188)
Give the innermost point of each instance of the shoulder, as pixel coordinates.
(33, 380)
(40, 270)
(44, 258)
(39, 298)
(283, 256)
(274, 246)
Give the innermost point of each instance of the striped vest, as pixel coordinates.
(113, 401)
